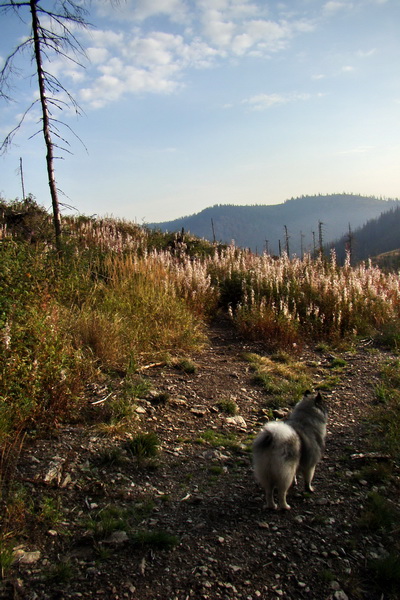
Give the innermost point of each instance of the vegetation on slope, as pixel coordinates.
(122, 296)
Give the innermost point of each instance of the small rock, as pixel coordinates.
(117, 537)
(55, 471)
(340, 595)
(298, 519)
(322, 501)
(178, 401)
(140, 410)
(27, 558)
(280, 413)
(67, 481)
(131, 588)
(237, 421)
(199, 411)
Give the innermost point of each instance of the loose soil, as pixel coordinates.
(205, 531)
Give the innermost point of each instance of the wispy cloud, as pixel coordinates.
(334, 6)
(366, 53)
(266, 101)
(358, 150)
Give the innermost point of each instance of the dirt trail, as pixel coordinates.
(226, 545)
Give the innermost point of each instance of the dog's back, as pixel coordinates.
(308, 419)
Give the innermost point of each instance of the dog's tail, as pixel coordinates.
(263, 441)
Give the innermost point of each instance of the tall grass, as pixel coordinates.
(287, 300)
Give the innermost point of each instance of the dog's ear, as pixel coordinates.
(307, 393)
(319, 401)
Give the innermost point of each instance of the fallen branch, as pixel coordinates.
(152, 365)
(370, 455)
(101, 400)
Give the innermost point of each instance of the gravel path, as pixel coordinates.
(204, 530)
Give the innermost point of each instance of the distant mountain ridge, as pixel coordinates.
(264, 226)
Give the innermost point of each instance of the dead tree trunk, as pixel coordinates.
(46, 123)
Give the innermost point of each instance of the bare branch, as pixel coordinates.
(9, 137)
(8, 70)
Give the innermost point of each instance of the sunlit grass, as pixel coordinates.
(283, 379)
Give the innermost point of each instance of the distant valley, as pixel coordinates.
(297, 223)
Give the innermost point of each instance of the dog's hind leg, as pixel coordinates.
(282, 499)
(269, 497)
(308, 477)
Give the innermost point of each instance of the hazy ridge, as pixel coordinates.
(257, 226)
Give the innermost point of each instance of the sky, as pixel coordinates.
(190, 103)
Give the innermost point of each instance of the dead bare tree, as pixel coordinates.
(52, 34)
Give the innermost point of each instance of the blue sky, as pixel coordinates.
(190, 103)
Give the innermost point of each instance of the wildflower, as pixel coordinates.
(7, 335)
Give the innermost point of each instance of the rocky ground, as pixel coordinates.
(191, 523)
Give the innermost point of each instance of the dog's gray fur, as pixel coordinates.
(283, 448)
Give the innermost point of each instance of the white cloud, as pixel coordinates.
(211, 31)
(216, 29)
(97, 55)
(334, 6)
(144, 9)
(266, 101)
(140, 10)
(101, 37)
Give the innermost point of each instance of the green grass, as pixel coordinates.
(283, 378)
(186, 365)
(338, 363)
(6, 555)
(61, 572)
(329, 383)
(218, 439)
(107, 521)
(386, 573)
(155, 540)
(110, 457)
(378, 515)
(143, 445)
(229, 407)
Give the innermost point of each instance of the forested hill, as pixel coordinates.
(252, 226)
(378, 236)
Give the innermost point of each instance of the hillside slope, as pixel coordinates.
(257, 226)
(379, 236)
